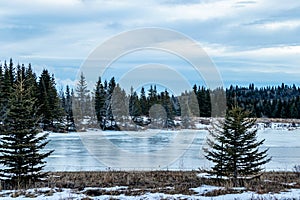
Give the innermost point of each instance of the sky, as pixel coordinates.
(247, 41)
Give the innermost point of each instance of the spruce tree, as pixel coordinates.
(100, 96)
(103, 101)
(2, 95)
(110, 90)
(11, 72)
(81, 99)
(135, 108)
(6, 89)
(20, 143)
(143, 102)
(152, 96)
(48, 99)
(69, 110)
(118, 104)
(169, 109)
(31, 82)
(234, 148)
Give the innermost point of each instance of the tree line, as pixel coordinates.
(79, 107)
(281, 101)
(57, 110)
(113, 104)
(271, 102)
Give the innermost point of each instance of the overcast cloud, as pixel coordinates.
(249, 41)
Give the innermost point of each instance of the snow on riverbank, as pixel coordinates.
(64, 194)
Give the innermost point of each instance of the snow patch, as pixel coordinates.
(205, 189)
(54, 194)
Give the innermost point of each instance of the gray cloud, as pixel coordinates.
(57, 33)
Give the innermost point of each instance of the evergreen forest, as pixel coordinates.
(77, 107)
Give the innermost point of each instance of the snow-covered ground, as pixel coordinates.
(155, 149)
(66, 194)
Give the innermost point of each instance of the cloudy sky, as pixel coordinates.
(248, 41)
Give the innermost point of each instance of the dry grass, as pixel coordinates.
(169, 182)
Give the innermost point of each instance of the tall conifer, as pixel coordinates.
(234, 148)
(20, 144)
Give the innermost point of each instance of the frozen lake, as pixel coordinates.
(155, 149)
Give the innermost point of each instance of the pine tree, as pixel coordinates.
(118, 103)
(81, 103)
(169, 108)
(6, 89)
(234, 146)
(62, 99)
(143, 102)
(69, 110)
(135, 109)
(152, 96)
(109, 120)
(100, 96)
(20, 143)
(176, 105)
(103, 103)
(31, 82)
(207, 104)
(11, 72)
(2, 95)
(48, 100)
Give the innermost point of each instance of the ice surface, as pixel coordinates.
(91, 150)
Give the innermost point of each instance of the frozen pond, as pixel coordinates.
(154, 150)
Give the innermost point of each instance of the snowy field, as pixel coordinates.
(67, 194)
(153, 150)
